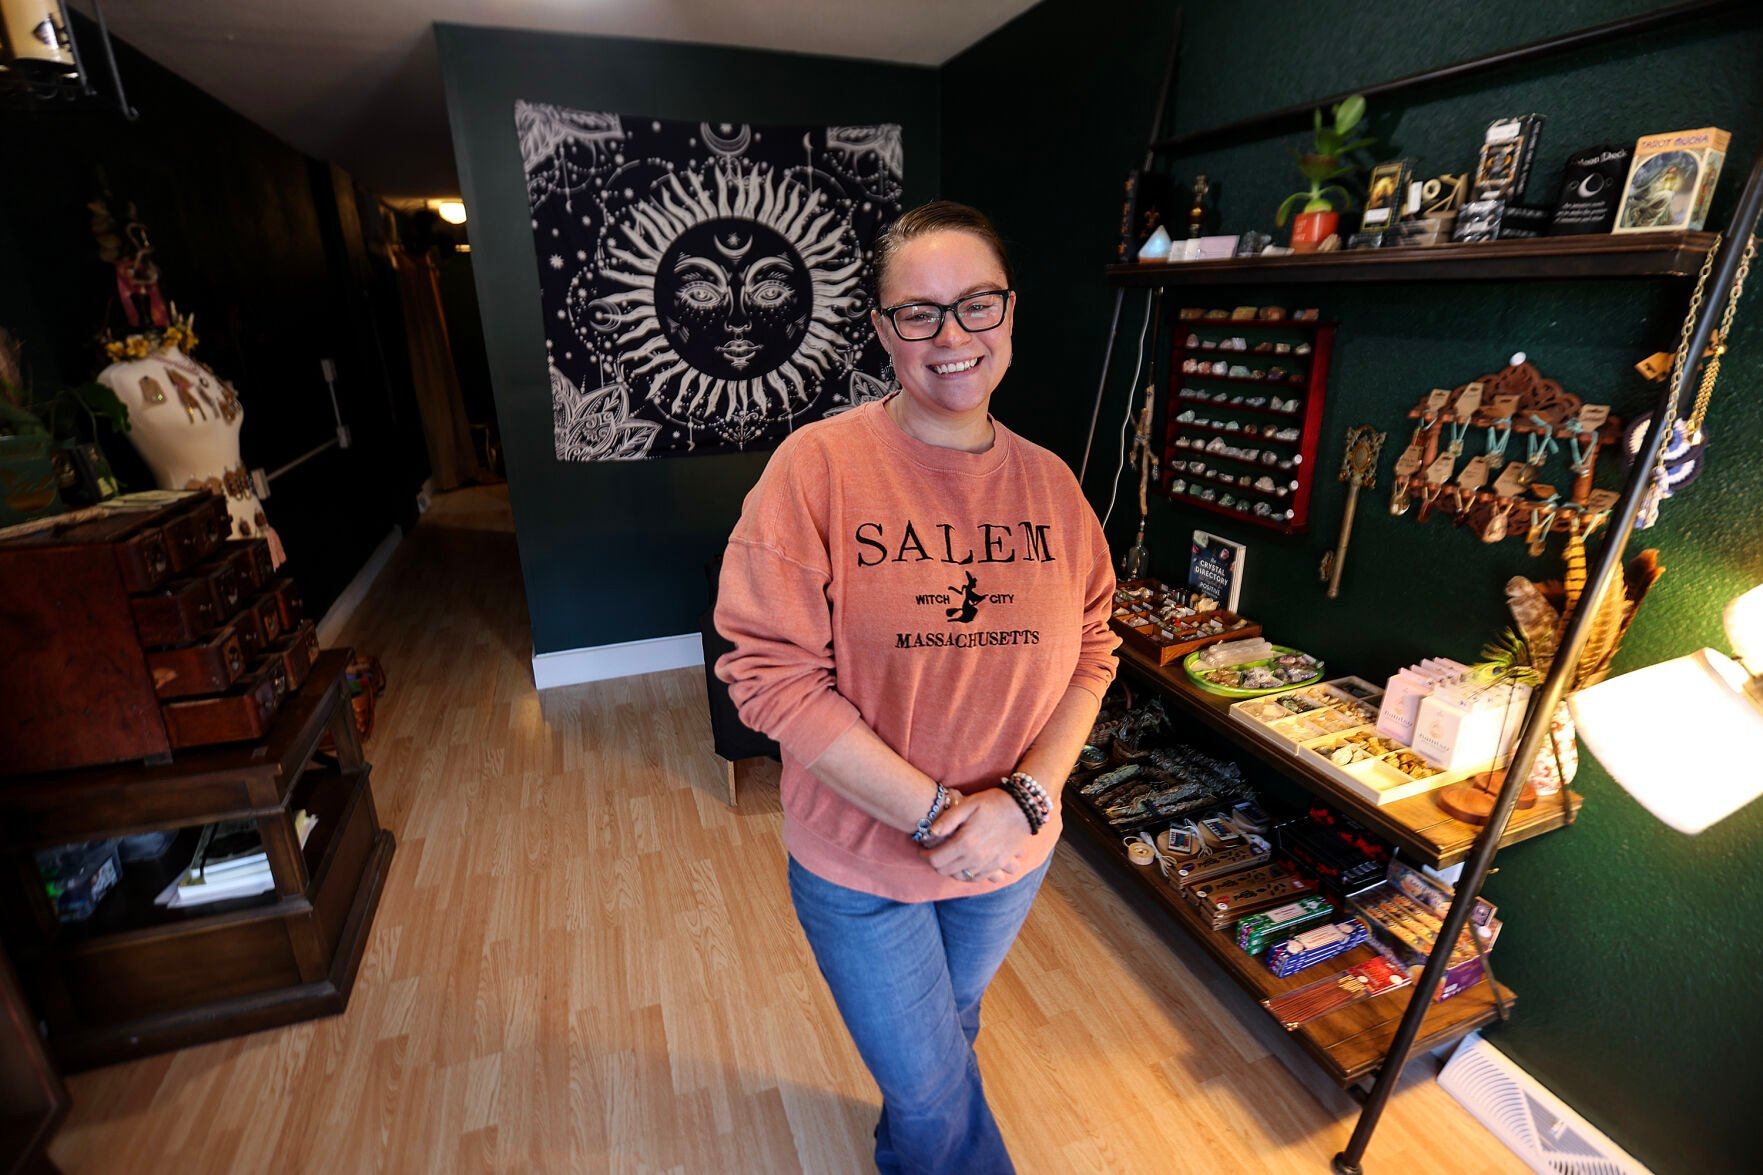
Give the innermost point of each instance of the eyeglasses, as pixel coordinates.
(916, 321)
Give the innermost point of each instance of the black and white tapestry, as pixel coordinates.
(706, 287)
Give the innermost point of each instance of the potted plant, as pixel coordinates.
(1318, 206)
(48, 448)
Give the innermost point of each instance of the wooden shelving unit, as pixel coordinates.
(1417, 826)
(137, 978)
(1629, 255)
(1348, 1044)
(1422, 831)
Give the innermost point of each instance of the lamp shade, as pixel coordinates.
(451, 211)
(1681, 737)
(34, 39)
(1743, 619)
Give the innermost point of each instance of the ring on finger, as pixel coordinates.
(967, 875)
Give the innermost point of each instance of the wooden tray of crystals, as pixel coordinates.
(1145, 637)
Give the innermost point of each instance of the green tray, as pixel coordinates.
(1231, 691)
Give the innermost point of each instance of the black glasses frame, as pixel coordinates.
(943, 311)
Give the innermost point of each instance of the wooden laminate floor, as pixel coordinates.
(585, 961)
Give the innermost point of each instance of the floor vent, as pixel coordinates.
(1539, 1127)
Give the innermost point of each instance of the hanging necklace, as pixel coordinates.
(1686, 432)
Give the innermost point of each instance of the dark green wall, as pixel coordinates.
(1635, 951)
(614, 552)
(272, 253)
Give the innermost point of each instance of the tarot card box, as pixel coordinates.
(1671, 181)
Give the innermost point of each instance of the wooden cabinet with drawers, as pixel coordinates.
(130, 635)
(137, 977)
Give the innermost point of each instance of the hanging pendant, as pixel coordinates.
(1429, 497)
(1495, 530)
(1401, 501)
(1541, 521)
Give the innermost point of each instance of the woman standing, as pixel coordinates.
(918, 601)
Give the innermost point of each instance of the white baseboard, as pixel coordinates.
(602, 662)
(337, 615)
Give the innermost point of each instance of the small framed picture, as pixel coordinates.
(1385, 195)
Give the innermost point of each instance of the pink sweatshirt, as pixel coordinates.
(946, 598)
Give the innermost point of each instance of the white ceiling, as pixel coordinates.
(357, 81)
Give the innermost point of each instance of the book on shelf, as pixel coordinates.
(229, 862)
(1215, 572)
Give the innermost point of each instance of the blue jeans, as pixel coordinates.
(908, 977)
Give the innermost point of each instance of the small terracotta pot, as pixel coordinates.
(1310, 229)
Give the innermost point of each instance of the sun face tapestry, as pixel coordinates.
(706, 288)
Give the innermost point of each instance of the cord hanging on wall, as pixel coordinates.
(40, 59)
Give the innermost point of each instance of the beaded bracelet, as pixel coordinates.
(938, 806)
(1031, 797)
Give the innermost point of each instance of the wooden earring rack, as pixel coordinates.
(1513, 399)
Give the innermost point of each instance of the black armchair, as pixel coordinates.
(734, 740)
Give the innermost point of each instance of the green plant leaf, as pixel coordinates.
(1348, 114)
(1285, 210)
(1318, 113)
(1346, 196)
(101, 402)
(67, 414)
(19, 421)
(1358, 144)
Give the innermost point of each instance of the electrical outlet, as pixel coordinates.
(343, 438)
(260, 483)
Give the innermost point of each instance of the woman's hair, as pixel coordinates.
(937, 216)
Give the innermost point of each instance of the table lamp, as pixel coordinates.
(1685, 737)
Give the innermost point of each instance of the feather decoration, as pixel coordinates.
(1573, 575)
(1611, 623)
(1603, 637)
(1535, 617)
(1539, 625)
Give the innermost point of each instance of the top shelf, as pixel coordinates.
(1669, 255)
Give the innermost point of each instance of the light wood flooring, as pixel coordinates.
(585, 961)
